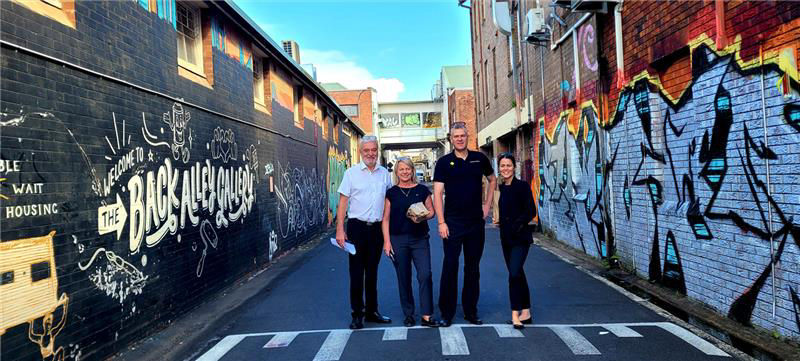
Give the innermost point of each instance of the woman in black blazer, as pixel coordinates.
(516, 211)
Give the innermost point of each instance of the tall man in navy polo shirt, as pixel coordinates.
(362, 194)
(459, 175)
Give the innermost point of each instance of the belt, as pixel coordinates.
(368, 223)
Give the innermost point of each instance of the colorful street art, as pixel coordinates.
(337, 165)
(687, 173)
(29, 284)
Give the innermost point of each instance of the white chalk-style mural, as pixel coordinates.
(158, 198)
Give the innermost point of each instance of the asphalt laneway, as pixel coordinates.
(305, 314)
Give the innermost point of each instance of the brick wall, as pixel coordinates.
(665, 165)
(492, 82)
(462, 109)
(362, 98)
(133, 205)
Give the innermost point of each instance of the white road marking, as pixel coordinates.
(333, 346)
(453, 341)
(221, 348)
(578, 344)
(395, 334)
(622, 331)
(506, 331)
(281, 339)
(692, 339)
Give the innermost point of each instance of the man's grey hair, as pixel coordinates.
(458, 125)
(367, 139)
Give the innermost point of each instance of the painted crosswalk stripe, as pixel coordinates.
(506, 331)
(453, 341)
(693, 340)
(622, 331)
(333, 346)
(578, 344)
(281, 339)
(221, 348)
(395, 334)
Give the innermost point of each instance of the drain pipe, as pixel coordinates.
(769, 183)
(618, 44)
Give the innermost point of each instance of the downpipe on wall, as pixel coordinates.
(769, 182)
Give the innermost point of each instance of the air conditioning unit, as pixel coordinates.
(538, 31)
(591, 6)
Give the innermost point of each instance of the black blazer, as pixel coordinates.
(516, 210)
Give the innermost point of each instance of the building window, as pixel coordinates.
(258, 80)
(389, 120)
(485, 83)
(336, 132)
(190, 39)
(494, 69)
(478, 91)
(62, 11)
(298, 107)
(40, 271)
(350, 110)
(325, 122)
(6, 278)
(510, 57)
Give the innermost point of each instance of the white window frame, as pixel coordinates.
(258, 80)
(197, 47)
(297, 94)
(54, 3)
(346, 107)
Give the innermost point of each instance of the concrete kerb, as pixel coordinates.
(743, 342)
(199, 324)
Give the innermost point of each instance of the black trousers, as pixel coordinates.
(515, 254)
(409, 248)
(472, 239)
(368, 240)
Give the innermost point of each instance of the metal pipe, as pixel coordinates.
(569, 31)
(769, 183)
(618, 44)
(144, 89)
(544, 110)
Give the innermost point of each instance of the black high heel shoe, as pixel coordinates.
(515, 325)
(527, 321)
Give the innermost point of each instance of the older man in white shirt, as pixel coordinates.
(362, 194)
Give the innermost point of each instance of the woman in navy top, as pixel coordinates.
(405, 239)
(516, 211)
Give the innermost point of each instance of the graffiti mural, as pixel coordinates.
(689, 182)
(704, 185)
(29, 284)
(301, 200)
(337, 165)
(573, 180)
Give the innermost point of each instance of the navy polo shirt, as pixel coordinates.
(463, 185)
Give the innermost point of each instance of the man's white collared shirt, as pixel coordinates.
(366, 191)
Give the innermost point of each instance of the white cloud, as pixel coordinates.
(335, 67)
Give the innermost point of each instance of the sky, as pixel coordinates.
(396, 47)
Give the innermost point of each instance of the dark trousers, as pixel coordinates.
(472, 240)
(409, 248)
(368, 240)
(515, 255)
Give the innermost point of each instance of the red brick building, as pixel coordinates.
(659, 130)
(359, 104)
(461, 108)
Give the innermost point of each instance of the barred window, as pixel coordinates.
(190, 42)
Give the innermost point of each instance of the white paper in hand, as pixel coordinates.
(348, 247)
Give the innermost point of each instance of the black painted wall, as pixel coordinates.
(89, 163)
